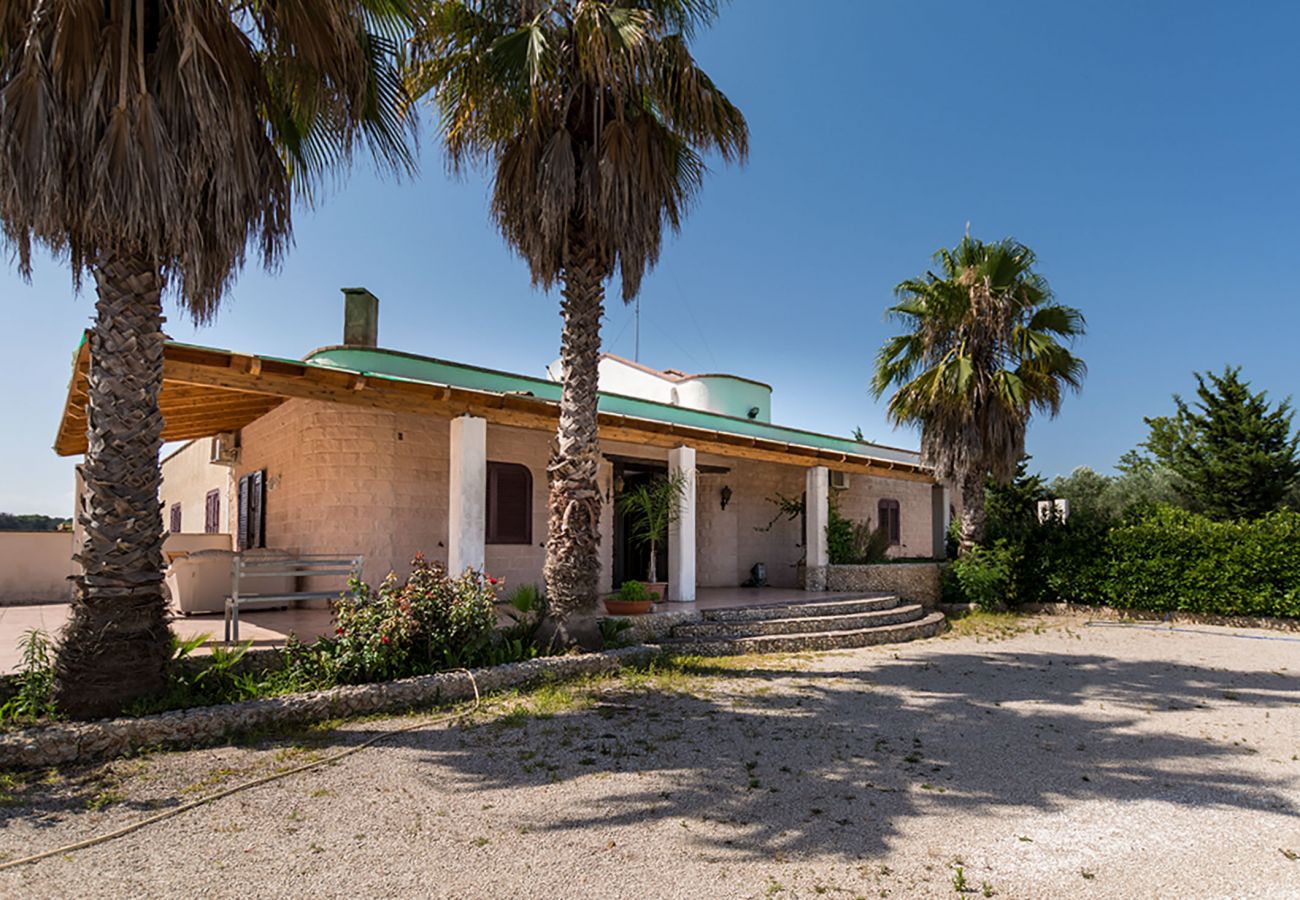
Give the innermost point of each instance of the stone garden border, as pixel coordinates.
(62, 743)
(1172, 617)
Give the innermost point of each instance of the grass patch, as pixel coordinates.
(989, 625)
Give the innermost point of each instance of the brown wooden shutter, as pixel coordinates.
(241, 537)
(212, 513)
(509, 504)
(889, 520)
(257, 509)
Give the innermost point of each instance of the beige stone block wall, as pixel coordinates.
(187, 477)
(521, 563)
(345, 479)
(35, 566)
(859, 503)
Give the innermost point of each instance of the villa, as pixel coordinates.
(359, 449)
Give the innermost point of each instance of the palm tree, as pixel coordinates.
(593, 119)
(981, 354)
(153, 144)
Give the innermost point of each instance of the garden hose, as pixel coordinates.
(256, 782)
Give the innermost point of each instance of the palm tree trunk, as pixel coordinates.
(971, 530)
(116, 646)
(572, 569)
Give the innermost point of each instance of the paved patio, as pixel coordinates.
(271, 628)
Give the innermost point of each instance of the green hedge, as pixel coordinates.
(1163, 560)
(1176, 560)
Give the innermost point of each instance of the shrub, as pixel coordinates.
(984, 575)
(428, 622)
(634, 591)
(1171, 559)
(853, 543)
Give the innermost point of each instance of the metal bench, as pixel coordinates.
(304, 566)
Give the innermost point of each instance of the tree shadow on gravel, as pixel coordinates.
(831, 762)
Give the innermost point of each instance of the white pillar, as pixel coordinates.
(467, 495)
(681, 533)
(817, 510)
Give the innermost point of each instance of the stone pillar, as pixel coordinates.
(817, 509)
(467, 495)
(939, 519)
(681, 533)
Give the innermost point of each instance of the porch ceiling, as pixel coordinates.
(208, 391)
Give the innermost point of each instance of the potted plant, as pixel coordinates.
(654, 507)
(632, 599)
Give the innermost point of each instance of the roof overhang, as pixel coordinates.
(207, 391)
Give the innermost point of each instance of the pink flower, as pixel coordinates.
(384, 638)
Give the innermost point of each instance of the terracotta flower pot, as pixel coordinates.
(659, 589)
(617, 607)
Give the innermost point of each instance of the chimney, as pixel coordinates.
(360, 318)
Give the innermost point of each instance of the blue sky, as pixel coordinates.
(1146, 151)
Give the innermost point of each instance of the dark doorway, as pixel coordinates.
(631, 559)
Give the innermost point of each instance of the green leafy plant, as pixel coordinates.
(985, 575)
(854, 543)
(788, 508)
(613, 631)
(34, 698)
(633, 591)
(409, 627)
(652, 508)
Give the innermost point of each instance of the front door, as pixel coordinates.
(632, 558)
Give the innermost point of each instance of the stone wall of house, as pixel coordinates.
(520, 563)
(350, 479)
(343, 479)
(187, 476)
(913, 582)
(860, 500)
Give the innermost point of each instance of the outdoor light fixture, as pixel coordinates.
(753, 412)
(726, 495)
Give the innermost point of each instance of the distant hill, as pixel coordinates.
(33, 522)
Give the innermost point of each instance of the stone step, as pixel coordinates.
(800, 610)
(802, 624)
(927, 626)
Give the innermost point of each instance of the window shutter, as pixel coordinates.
(257, 509)
(175, 525)
(889, 519)
(241, 538)
(509, 504)
(212, 513)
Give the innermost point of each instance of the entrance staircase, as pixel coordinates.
(791, 628)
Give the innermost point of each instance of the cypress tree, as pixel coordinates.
(1235, 457)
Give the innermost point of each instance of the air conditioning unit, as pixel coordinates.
(840, 481)
(225, 449)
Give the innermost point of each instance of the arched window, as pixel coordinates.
(509, 504)
(888, 517)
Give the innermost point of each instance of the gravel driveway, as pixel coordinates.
(1044, 758)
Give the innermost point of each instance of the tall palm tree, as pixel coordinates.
(153, 143)
(593, 119)
(981, 354)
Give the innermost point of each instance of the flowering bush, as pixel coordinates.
(429, 621)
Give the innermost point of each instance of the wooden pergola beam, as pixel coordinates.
(207, 391)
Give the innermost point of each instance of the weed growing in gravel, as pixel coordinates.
(959, 880)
